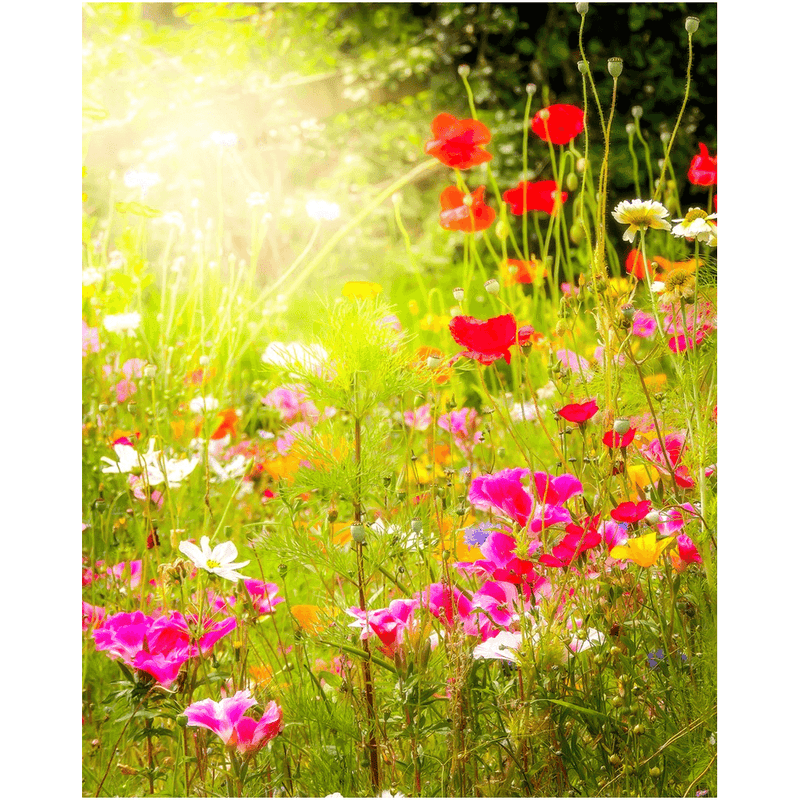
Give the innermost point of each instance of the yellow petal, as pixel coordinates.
(361, 290)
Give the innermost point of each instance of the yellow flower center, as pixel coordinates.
(212, 564)
(695, 213)
(678, 279)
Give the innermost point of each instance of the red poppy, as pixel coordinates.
(613, 440)
(486, 341)
(458, 143)
(634, 264)
(538, 196)
(631, 512)
(516, 271)
(563, 123)
(578, 539)
(703, 169)
(578, 412)
(456, 215)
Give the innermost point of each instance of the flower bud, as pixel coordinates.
(102, 408)
(664, 137)
(416, 525)
(653, 518)
(654, 772)
(572, 182)
(282, 570)
(433, 362)
(530, 89)
(458, 294)
(636, 112)
(691, 24)
(628, 312)
(492, 286)
(150, 371)
(576, 233)
(630, 129)
(333, 514)
(358, 533)
(582, 8)
(621, 426)
(501, 230)
(561, 327)
(463, 70)
(580, 165)
(638, 730)
(615, 67)
(614, 759)
(203, 361)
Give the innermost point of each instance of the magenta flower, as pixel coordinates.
(91, 616)
(644, 325)
(613, 533)
(575, 364)
(674, 443)
(264, 596)
(134, 368)
(227, 720)
(288, 437)
(556, 489)
(498, 601)
(687, 553)
(388, 624)
(448, 605)
(503, 491)
(463, 424)
(124, 389)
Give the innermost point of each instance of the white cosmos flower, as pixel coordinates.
(639, 215)
(128, 459)
(219, 561)
(592, 638)
(122, 323)
(504, 646)
(696, 225)
(322, 209)
(199, 404)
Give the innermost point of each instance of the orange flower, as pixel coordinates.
(439, 374)
(515, 271)
(309, 618)
(282, 466)
(199, 376)
(261, 673)
(228, 424)
(656, 382)
(668, 266)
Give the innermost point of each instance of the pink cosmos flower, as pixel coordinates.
(91, 616)
(576, 364)
(124, 389)
(226, 719)
(264, 596)
(498, 602)
(420, 418)
(91, 340)
(613, 533)
(388, 624)
(556, 489)
(127, 573)
(448, 605)
(286, 400)
(285, 441)
(644, 325)
(674, 443)
(463, 424)
(134, 368)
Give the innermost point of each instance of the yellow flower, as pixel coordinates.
(434, 322)
(644, 550)
(361, 290)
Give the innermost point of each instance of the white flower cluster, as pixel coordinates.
(153, 465)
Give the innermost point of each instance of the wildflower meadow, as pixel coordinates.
(399, 401)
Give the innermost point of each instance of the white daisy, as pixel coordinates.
(122, 323)
(219, 561)
(696, 225)
(639, 215)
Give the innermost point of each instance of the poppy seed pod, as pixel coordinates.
(628, 312)
(630, 129)
(463, 70)
(150, 371)
(458, 294)
(583, 67)
(636, 112)
(572, 182)
(492, 286)
(530, 88)
(358, 533)
(615, 67)
(282, 570)
(653, 518)
(621, 426)
(416, 525)
(692, 24)
(582, 8)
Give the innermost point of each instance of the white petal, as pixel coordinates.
(193, 552)
(225, 552)
(205, 547)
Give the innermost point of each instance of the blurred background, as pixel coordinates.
(257, 119)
